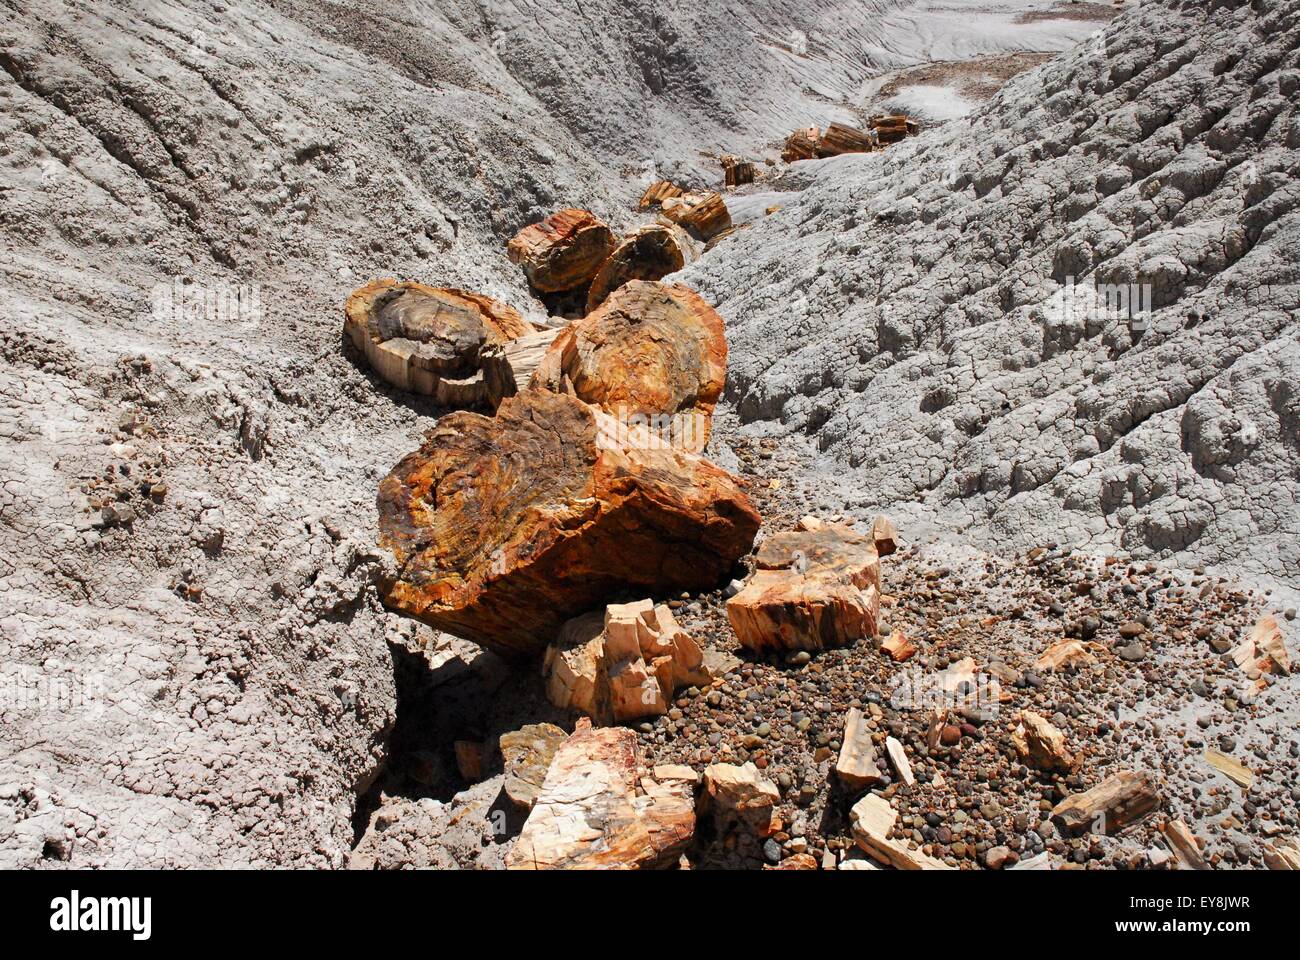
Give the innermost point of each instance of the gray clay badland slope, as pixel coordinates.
(903, 311)
(196, 670)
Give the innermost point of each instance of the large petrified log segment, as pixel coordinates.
(650, 253)
(651, 351)
(562, 252)
(509, 367)
(429, 340)
(813, 589)
(599, 809)
(704, 214)
(1108, 807)
(505, 527)
(840, 138)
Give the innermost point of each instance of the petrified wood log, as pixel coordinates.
(658, 192)
(840, 138)
(891, 129)
(527, 754)
(562, 252)
(599, 809)
(428, 339)
(704, 214)
(736, 172)
(813, 589)
(801, 145)
(505, 527)
(650, 253)
(509, 367)
(653, 354)
(1108, 807)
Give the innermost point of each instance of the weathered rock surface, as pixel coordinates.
(428, 339)
(813, 589)
(648, 253)
(1108, 807)
(562, 252)
(652, 355)
(599, 809)
(527, 754)
(502, 528)
(925, 313)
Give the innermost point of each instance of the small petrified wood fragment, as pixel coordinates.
(840, 138)
(650, 253)
(430, 340)
(813, 589)
(503, 528)
(527, 754)
(1108, 807)
(856, 766)
(562, 252)
(737, 172)
(509, 367)
(653, 354)
(600, 809)
(891, 129)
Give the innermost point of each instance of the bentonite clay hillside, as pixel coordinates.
(281, 588)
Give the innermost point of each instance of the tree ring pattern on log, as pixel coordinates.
(651, 253)
(429, 339)
(651, 349)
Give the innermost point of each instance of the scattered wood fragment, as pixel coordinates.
(1108, 807)
(885, 534)
(898, 760)
(1066, 653)
(1282, 856)
(840, 138)
(1184, 845)
(527, 754)
(704, 214)
(658, 192)
(741, 796)
(871, 820)
(737, 172)
(856, 766)
(898, 647)
(1041, 745)
(801, 145)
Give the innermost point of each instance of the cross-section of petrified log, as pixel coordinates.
(801, 145)
(428, 339)
(813, 589)
(599, 808)
(653, 355)
(650, 253)
(840, 138)
(658, 192)
(704, 214)
(502, 528)
(509, 367)
(562, 252)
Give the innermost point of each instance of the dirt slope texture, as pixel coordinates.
(910, 314)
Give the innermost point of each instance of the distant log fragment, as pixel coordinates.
(562, 252)
(801, 145)
(652, 351)
(658, 192)
(650, 253)
(704, 214)
(737, 172)
(891, 129)
(502, 528)
(430, 340)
